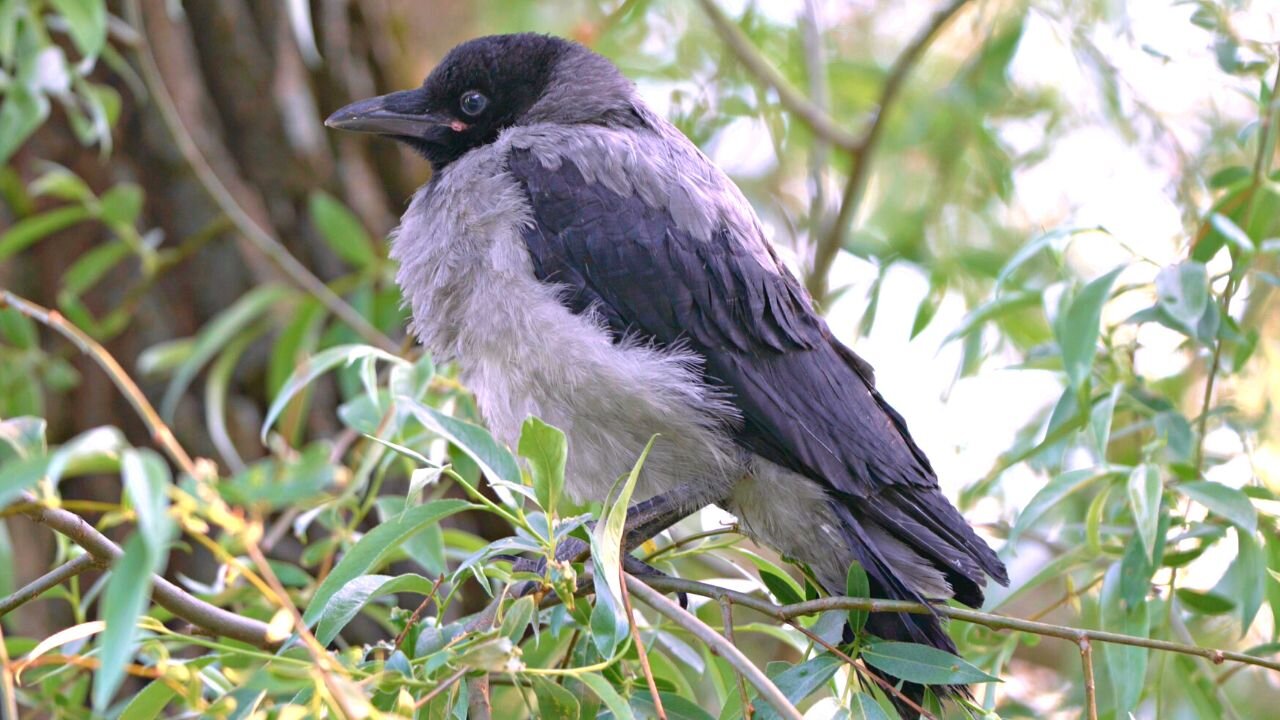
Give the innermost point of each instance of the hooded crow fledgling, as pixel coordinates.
(583, 262)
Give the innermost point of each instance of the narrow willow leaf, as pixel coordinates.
(923, 664)
(1053, 494)
(341, 230)
(545, 448)
(316, 366)
(494, 459)
(1145, 492)
(1223, 501)
(215, 336)
(123, 602)
(1126, 666)
(857, 586)
(146, 482)
(1078, 329)
(863, 707)
(798, 682)
(609, 624)
(374, 548)
(86, 23)
(610, 697)
(345, 604)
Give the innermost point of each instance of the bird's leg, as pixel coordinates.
(645, 519)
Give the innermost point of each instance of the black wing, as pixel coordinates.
(807, 402)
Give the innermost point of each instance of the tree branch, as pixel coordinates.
(265, 243)
(1090, 688)
(209, 618)
(812, 114)
(784, 613)
(57, 576)
(54, 320)
(860, 155)
(714, 642)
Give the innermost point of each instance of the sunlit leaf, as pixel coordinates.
(1078, 329)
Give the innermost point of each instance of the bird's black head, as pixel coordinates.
(484, 86)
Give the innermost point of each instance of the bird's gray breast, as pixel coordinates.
(468, 278)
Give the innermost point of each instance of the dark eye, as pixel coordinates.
(473, 102)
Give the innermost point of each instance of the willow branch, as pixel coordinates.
(726, 616)
(1090, 688)
(267, 244)
(714, 642)
(209, 618)
(860, 155)
(792, 99)
(160, 432)
(783, 613)
(40, 585)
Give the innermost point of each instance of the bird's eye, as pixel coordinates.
(473, 102)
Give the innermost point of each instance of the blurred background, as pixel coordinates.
(1027, 150)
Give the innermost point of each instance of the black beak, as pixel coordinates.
(375, 116)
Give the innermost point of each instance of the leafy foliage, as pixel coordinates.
(356, 485)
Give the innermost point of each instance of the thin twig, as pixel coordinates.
(792, 99)
(714, 642)
(726, 615)
(263, 241)
(640, 649)
(1090, 689)
(444, 685)
(324, 665)
(9, 708)
(54, 320)
(209, 618)
(861, 153)
(57, 576)
(990, 620)
(417, 613)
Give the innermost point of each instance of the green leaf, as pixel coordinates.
(610, 697)
(798, 682)
(677, 707)
(545, 448)
(923, 664)
(1053, 494)
(554, 701)
(217, 334)
(347, 601)
(316, 366)
(1145, 490)
(1033, 248)
(376, 546)
(122, 204)
(341, 230)
(1205, 603)
(517, 618)
(123, 602)
(146, 482)
(864, 707)
(1224, 502)
(150, 702)
(21, 113)
(609, 623)
(1245, 581)
(87, 23)
(1078, 328)
(857, 585)
(494, 459)
(1126, 665)
(783, 587)
(28, 231)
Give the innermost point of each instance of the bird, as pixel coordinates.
(582, 261)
